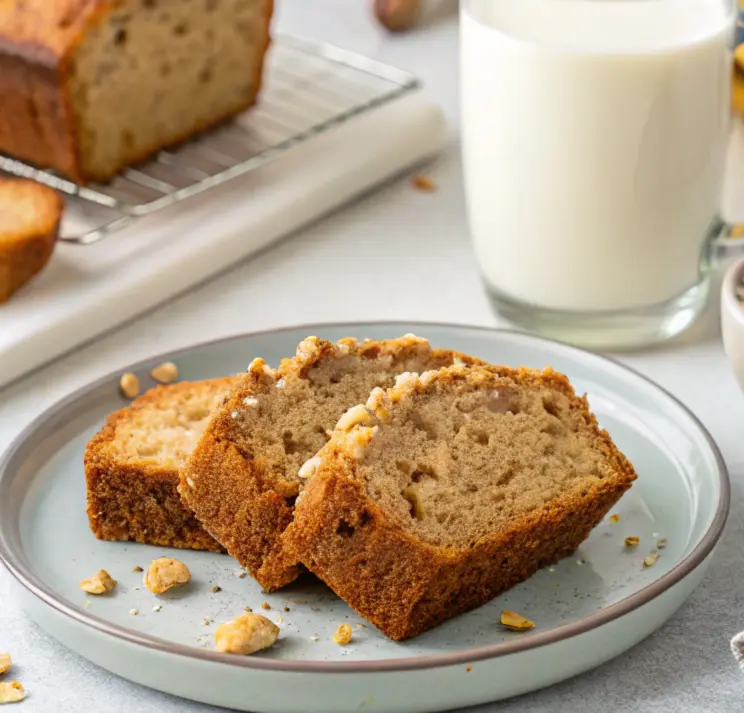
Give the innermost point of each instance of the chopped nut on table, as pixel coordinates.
(614, 519)
(100, 583)
(129, 385)
(423, 183)
(165, 373)
(165, 573)
(632, 541)
(652, 557)
(245, 635)
(516, 622)
(662, 543)
(11, 692)
(343, 635)
(5, 663)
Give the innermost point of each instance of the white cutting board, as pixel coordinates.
(87, 290)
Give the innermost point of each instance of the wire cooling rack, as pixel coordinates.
(310, 87)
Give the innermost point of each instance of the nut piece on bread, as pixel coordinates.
(132, 466)
(91, 87)
(243, 477)
(29, 224)
(462, 483)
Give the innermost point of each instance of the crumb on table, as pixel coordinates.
(11, 692)
(423, 183)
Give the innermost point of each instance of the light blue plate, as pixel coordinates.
(587, 608)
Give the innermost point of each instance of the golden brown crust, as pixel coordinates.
(138, 500)
(405, 585)
(38, 39)
(238, 496)
(26, 244)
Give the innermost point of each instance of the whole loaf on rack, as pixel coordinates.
(88, 88)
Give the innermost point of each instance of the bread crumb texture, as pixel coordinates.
(244, 475)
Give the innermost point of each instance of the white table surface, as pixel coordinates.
(416, 246)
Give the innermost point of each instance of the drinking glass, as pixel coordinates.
(595, 136)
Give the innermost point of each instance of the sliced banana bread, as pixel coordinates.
(242, 479)
(447, 489)
(90, 86)
(132, 466)
(29, 223)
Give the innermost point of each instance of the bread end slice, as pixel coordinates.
(132, 466)
(30, 215)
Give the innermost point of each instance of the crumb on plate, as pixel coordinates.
(516, 622)
(343, 635)
(99, 583)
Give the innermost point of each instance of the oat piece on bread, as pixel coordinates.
(89, 87)
(132, 466)
(29, 225)
(243, 477)
(450, 488)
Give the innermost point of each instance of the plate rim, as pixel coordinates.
(29, 581)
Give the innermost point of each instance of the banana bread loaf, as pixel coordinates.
(242, 479)
(132, 466)
(450, 488)
(90, 86)
(29, 225)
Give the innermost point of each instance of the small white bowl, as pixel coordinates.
(732, 319)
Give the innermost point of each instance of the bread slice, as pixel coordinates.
(29, 225)
(132, 466)
(450, 488)
(242, 478)
(87, 88)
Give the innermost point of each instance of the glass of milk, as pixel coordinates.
(595, 135)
